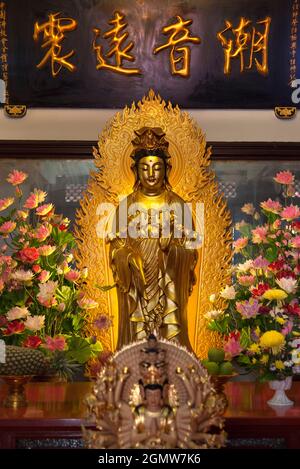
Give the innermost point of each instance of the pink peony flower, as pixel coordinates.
(34, 323)
(271, 206)
(249, 209)
(32, 201)
(7, 227)
(16, 177)
(87, 303)
(5, 203)
(17, 313)
(240, 244)
(284, 177)
(72, 275)
(259, 234)
(29, 255)
(44, 210)
(55, 343)
(290, 213)
(248, 309)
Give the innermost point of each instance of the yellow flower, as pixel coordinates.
(279, 365)
(280, 320)
(257, 331)
(296, 333)
(254, 348)
(273, 340)
(264, 359)
(212, 298)
(275, 294)
(253, 361)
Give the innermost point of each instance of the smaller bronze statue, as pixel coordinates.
(154, 395)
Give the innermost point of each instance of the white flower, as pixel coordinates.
(22, 275)
(17, 313)
(214, 314)
(289, 284)
(228, 293)
(212, 298)
(295, 343)
(35, 323)
(296, 356)
(245, 266)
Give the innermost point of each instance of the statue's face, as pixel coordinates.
(151, 172)
(153, 397)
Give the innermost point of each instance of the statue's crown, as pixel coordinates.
(150, 141)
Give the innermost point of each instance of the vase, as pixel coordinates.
(16, 392)
(280, 398)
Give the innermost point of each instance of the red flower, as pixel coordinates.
(260, 290)
(32, 341)
(264, 310)
(62, 227)
(293, 309)
(29, 255)
(275, 266)
(14, 327)
(3, 321)
(296, 225)
(285, 274)
(36, 268)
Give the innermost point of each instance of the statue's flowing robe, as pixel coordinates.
(154, 279)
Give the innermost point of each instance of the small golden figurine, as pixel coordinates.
(151, 254)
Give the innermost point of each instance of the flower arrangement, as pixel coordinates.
(260, 323)
(41, 303)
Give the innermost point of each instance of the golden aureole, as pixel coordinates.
(153, 154)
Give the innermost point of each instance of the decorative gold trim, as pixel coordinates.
(15, 111)
(190, 177)
(285, 112)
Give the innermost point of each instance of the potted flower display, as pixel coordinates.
(260, 323)
(42, 307)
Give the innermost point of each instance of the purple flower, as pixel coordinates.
(248, 309)
(102, 322)
(260, 263)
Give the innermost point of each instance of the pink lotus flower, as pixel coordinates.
(72, 275)
(232, 347)
(46, 293)
(22, 275)
(240, 244)
(32, 201)
(248, 309)
(288, 284)
(260, 263)
(46, 250)
(55, 343)
(42, 232)
(259, 234)
(87, 303)
(290, 213)
(5, 203)
(44, 276)
(295, 242)
(249, 209)
(17, 313)
(16, 177)
(246, 280)
(271, 206)
(40, 195)
(35, 323)
(284, 177)
(7, 227)
(44, 210)
(287, 329)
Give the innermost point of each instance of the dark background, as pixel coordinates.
(207, 86)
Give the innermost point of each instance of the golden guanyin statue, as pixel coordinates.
(154, 394)
(163, 283)
(151, 255)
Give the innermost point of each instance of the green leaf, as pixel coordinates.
(271, 253)
(79, 349)
(106, 287)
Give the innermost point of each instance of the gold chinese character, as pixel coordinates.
(179, 56)
(246, 39)
(117, 47)
(54, 33)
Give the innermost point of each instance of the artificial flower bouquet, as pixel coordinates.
(260, 323)
(41, 303)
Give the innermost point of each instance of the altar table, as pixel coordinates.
(55, 414)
